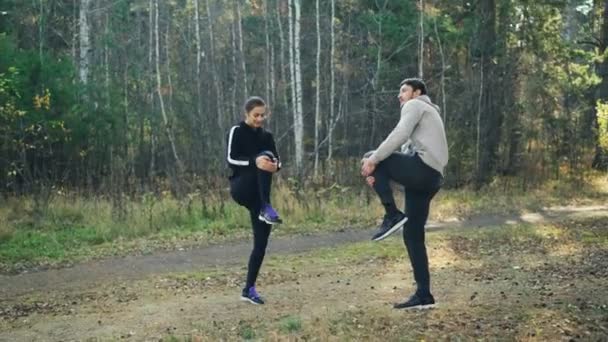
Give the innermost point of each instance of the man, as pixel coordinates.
(419, 168)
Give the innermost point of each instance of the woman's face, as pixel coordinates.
(256, 117)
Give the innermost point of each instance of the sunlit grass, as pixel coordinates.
(506, 282)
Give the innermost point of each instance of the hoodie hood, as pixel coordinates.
(426, 99)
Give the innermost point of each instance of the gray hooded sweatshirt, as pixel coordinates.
(420, 129)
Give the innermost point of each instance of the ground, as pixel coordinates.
(541, 276)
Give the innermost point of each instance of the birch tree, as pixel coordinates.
(421, 41)
(282, 63)
(317, 92)
(444, 109)
(295, 90)
(239, 32)
(332, 84)
(199, 53)
(85, 43)
(600, 159)
(298, 114)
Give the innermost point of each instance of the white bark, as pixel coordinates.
(235, 71)
(298, 114)
(282, 62)
(106, 55)
(444, 109)
(41, 32)
(317, 92)
(267, 74)
(168, 65)
(479, 105)
(292, 76)
(85, 42)
(153, 138)
(74, 35)
(199, 53)
(332, 85)
(421, 42)
(241, 51)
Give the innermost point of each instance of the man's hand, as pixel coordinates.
(266, 164)
(367, 167)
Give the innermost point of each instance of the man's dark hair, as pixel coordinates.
(415, 83)
(252, 102)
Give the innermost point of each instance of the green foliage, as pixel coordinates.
(109, 135)
(291, 324)
(246, 332)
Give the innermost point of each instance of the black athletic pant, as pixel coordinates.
(421, 183)
(252, 190)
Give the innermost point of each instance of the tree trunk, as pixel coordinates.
(267, 62)
(444, 109)
(600, 160)
(479, 110)
(41, 22)
(298, 115)
(75, 37)
(106, 56)
(168, 67)
(317, 92)
(235, 71)
(85, 43)
(421, 40)
(332, 83)
(152, 168)
(239, 31)
(294, 66)
(282, 70)
(199, 92)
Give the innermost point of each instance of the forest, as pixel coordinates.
(130, 96)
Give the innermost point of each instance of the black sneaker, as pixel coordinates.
(251, 295)
(390, 224)
(416, 302)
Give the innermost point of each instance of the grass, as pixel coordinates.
(71, 228)
(290, 324)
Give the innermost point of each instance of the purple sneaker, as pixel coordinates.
(251, 295)
(269, 215)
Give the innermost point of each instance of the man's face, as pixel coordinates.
(406, 93)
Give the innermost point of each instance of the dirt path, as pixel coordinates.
(113, 270)
(527, 283)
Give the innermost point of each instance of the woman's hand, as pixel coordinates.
(370, 180)
(266, 164)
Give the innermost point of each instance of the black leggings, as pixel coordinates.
(421, 183)
(252, 190)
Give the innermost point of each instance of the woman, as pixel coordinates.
(253, 158)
